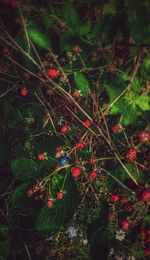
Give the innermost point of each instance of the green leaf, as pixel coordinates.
(67, 42)
(129, 116)
(138, 22)
(82, 30)
(147, 220)
(22, 58)
(24, 169)
(102, 29)
(145, 68)
(50, 220)
(109, 8)
(82, 83)
(71, 16)
(122, 175)
(136, 84)
(143, 102)
(39, 37)
(120, 106)
(56, 180)
(19, 198)
(118, 84)
(47, 21)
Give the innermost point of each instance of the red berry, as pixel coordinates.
(64, 129)
(5, 51)
(24, 92)
(29, 192)
(93, 175)
(75, 172)
(36, 187)
(114, 198)
(87, 123)
(125, 224)
(41, 156)
(77, 49)
(147, 251)
(53, 73)
(92, 160)
(146, 195)
(80, 145)
(131, 154)
(144, 136)
(59, 152)
(116, 128)
(147, 240)
(59, 195)
(50, 203)
(77, 94)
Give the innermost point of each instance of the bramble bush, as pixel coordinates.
(75, 129)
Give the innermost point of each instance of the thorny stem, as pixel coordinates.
(70, 98)
(132, 76)
(112, 176)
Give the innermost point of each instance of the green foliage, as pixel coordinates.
(143, 102)
(82, 30)
(137, 250)
(82, 83)
(50, 220)
(118, 84)
(122, 175)
(101, 30)
(136, 84)
(145, 68)
(57, 180)
(130, 115)
(67, 41)
(146, 220)
(138, 21)
(40, 38)
(105, 32)
(71, 16)
(20, 199)
(106, 29)
(24, 169)
(127, 104)
(47, 21)
(22, 58)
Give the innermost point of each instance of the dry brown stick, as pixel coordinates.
(27, 250)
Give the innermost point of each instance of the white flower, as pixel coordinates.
(60, 121)
(71, 232)
(84, 241)
(120, 235)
